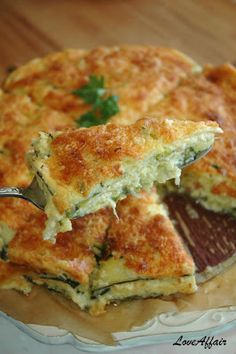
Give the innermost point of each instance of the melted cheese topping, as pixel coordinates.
(20, 121)
(139, 75)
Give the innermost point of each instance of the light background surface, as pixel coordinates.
(203, 29)
(14, 341)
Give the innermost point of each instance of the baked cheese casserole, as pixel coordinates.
(138, 253)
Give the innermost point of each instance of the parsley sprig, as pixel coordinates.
(103, 106)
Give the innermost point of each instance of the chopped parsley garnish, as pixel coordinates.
(103, 106)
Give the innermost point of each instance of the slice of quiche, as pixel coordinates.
(105, 259)
(210, 95)
(81, 171)
(143, 257)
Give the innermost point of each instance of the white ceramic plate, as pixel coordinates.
(163, 328)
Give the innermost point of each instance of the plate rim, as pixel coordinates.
(219, 320)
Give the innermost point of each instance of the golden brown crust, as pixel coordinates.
(13, 277)
(20, 121)
(211, 95)
(10, 271)
(96, 154)
(72, 253)
(139, 75)
(148, 243)
(207, 96)
(15, 212)
(146, 240)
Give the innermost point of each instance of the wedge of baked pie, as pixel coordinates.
(81, 171)
(103, 259)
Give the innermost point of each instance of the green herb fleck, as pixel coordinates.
(92, 91)
(101, 251)
(103, 106)
(109, 107)
(62, 278)
(100, 292)
(88, 119)
(217, 167)
(3, 253)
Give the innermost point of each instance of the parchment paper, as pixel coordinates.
(46, 308)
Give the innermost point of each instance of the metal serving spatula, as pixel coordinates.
(34, 194)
